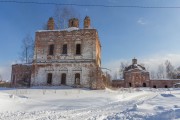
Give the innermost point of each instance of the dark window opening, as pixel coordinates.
(13, 79)
(63, 78)
(64, 51)
(130, 85)
(51, 49)
(166, 86)
(77, 79)
(78, 49)
(49, 78)
(154, 86)
(144, 84)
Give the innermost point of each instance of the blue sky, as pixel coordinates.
(147, 34)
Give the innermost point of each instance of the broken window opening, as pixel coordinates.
(51, 49)
(14, 79)
(144, 84)
(63, 79)
(64, 51)
(49, 78)
(78, 49)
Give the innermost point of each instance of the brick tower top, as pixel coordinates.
(73, 22)
(50, 25)
(134, 61)
(87, 22)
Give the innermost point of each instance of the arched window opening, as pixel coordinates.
(144, 84)
(49, 78)
(51, 49)
(77, 79)
(14, 79)
(130, 85)
(78, 49)
(63, 79)
(64, 50)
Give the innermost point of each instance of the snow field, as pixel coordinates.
(66, 103)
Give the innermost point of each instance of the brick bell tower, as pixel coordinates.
(87, 22)
(50, 24)
(74, 22)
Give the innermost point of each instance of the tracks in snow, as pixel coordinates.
(90, 113)
(111, 109)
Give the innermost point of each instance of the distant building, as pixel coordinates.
(136, 75)
(21, 75)
(4, 84)
(66, 57)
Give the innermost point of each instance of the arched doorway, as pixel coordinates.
(154, 86)
(49, 78)
(166, 86)
(130, 85)
(77, 79)
(144, 84)
(63, 78)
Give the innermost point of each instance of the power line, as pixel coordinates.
(88, 5)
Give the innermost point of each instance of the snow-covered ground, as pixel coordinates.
(66, 103)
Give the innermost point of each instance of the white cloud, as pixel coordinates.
(154, 61)
(142, 21)
(5, 73)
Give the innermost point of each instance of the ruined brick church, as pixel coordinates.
(69, 56)
(72, 57)
(135, 75)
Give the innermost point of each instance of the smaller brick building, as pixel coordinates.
(136, 75)
(21, 75)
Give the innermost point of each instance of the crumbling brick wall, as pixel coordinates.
(163, 83)
(57, 64)
(21, 75)
(136, 78)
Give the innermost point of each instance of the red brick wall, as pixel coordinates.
(163, 83)
(136, 78)
(21, 75)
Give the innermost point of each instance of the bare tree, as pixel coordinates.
(169, 69)
(44, 26)
(27, 49)
(91, 75)
(121, 69)
(178, 69)
(115, 75)
(161, 72)
(106, 79)
(63, 14)
(152, 75)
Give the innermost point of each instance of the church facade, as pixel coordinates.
(136, 75)
(69, 56)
